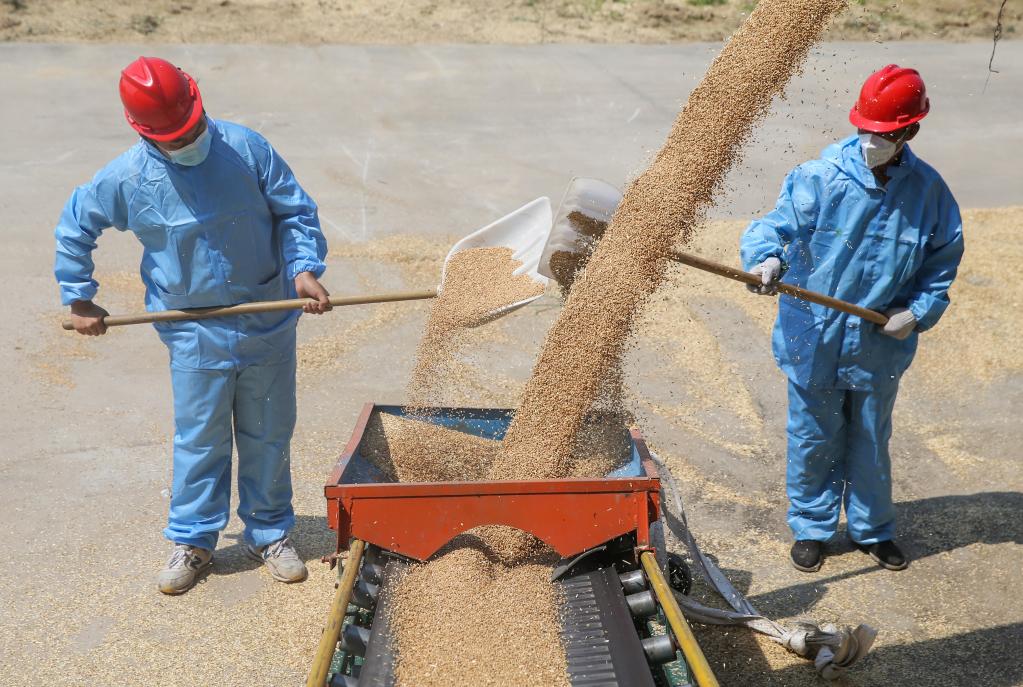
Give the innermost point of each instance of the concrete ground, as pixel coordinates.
(432, 142)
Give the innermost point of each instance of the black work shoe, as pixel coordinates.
(886, 553)
(807, 555)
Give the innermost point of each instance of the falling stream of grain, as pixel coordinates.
(484, 614)
(661, 208)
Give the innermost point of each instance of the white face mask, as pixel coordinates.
(878, 150)
(194, 153)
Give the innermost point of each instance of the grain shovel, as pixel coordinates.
(587, 208)
(523, 231)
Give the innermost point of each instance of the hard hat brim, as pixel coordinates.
(876, 127)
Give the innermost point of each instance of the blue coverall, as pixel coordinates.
(235, 228)
(838, 232)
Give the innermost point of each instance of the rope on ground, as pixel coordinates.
(833, 649)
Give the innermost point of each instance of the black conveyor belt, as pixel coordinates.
(378, 668)
(602, 646)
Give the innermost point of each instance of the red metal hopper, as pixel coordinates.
(416, 519)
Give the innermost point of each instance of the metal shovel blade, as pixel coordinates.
(585, 210)
(524, 231)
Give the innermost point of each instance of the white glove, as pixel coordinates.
(901, 323)
(769, 271)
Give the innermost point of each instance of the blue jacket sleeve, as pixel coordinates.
(295, 214)
(944, 251)
(83, 220)
(793, 214)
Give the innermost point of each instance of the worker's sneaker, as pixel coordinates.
(282, 560)
(807, 555)
(887, 554)
(184, 568)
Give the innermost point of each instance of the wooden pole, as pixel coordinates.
(803, 294)
(255, 307)
(338, 608)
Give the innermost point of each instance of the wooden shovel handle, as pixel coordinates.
(750, 278)
(256, 307)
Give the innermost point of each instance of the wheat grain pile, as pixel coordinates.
(409, 450)
(413, 449)
(661, 208)
(469, 618)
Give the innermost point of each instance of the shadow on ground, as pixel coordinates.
(311, 536)
(988, 657)
(927, 527)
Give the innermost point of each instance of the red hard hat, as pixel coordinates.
(161, 102)
(891, 98)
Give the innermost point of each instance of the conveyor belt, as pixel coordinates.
(602, 646)
(378, 668)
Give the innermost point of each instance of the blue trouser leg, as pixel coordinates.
(868, 492)
(201, 492)
(264, 415)
(816, 458)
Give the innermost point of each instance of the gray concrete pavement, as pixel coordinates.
(438, 138)
(436, 141)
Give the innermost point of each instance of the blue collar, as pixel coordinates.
(907, 162)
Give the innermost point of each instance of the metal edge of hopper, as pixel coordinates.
(344, 498)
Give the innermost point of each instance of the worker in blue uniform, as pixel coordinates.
(872, 224)
(222, 220)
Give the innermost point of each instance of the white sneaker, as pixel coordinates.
(184, 567)
(282, 559)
